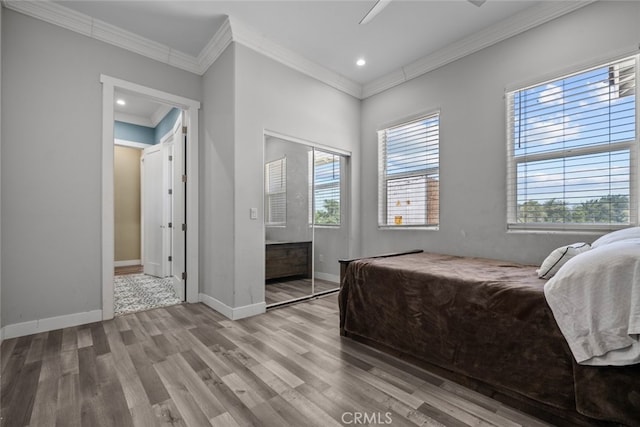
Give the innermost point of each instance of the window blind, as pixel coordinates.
(572, 150)
(408, 173)
(325, 188)
(276, 192)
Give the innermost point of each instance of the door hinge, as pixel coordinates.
(170, 225)
(170, 191)
(170, 258)
(184, 275)
(184, 227)
(184, 178)
(170, 158)
(184, 130)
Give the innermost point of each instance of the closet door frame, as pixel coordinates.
(345, 180)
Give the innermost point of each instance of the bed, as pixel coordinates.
(486, 324)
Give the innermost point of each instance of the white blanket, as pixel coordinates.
(595, 299)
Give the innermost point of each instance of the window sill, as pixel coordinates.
(327, 226)
(410, 227)
(564, 228)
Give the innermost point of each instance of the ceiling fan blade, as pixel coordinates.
(477, 2)
(377, 8)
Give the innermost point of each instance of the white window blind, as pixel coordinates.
(409, 174)
(572, 150)
(325, 188)
(276, 192)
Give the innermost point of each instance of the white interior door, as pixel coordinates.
(178, 208)
(152, 210)
(163, 209)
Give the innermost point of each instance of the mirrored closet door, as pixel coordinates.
(306, 229)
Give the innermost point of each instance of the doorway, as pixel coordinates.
(306, 218)
(149, 199)
(188, 275)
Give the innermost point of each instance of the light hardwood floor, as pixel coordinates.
(130, 269)
(282, 290)
(186, 365)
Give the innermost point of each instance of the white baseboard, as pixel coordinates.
(230, 312)
(218, 306)
(249, 310)
(127, 263)
(328, 277)
(51, 324)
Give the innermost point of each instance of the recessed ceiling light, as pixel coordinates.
(361, 62)
(121, 102)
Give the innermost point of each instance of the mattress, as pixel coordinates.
(484, 319)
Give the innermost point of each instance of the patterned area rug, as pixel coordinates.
(139, 292)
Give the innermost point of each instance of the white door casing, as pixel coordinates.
(175, 207)
(178, 208)
(191, 109)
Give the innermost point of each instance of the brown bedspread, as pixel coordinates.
(484, 319)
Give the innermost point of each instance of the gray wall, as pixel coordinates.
(51, 162)
(470, 95)
(217, 179)
(273, 97)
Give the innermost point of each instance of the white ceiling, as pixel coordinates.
(325, 32)
(138, 109)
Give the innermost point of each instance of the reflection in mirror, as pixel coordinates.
(328, 218)
(305, 226)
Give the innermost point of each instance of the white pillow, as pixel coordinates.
(614, 236)
(595, 299)
(558, 257)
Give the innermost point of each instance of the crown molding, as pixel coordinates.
(132, 119)
(54, 14)
(234, 31)
(64, 17)
(516, 24)
(214, 48)
(248, 37)
(159, 114)
(150, 122)
(124, 39)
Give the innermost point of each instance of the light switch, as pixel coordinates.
(253, 213)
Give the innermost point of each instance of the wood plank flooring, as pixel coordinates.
(281, 290)
(186, 365)
(129, 269)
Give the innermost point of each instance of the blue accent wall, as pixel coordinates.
(166, 124)
(136, 133)
(144, 134)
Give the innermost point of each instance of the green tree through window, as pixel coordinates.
(329, 214)
(604, 210)
(324, 190)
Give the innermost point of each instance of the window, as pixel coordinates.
(325, 188)
(572, 150)
(276, 192)
(408, 172)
